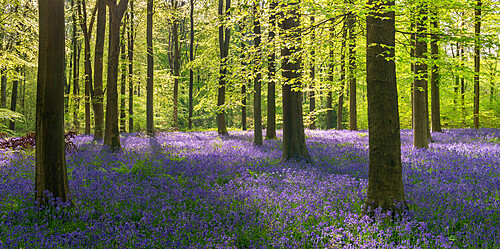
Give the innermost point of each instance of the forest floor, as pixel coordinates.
(196, 190)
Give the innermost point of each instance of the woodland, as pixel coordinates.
(249, 124)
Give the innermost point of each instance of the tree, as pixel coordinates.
(13, 101)
(98, 68)
(191, 59)
(123, 73)
(420, 82)
(312, 99)
(131, 36)
(257, 108)
(385, 180)
(224, 35)
(353, 121)
(271, 85)
(331, 67)
(111, 132)
(3, 97)
(294, 141)
(435, 102)
(76, 71)
(50, 164)
(340, 107)
(477, 60)
(149, 84)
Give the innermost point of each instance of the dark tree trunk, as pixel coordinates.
(477, 60)
(150, 129)
(329, 97)
(312, 99)
(131, 37)
(385, 183)
(13, 101)
(244, 107)
(435, 102)
(50, 155)
(420, 83)
(224, 35)
(271, 85)
(98, 68)
(176, 53)
(123, 69)
(353, 120)
(76, 72)
(191, 58)
(257, 97)
(111, 132)
(340, 107)
(294, 142)
(3, 98)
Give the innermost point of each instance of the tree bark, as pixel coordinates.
(477, 60)
(98, 68)
(123, 72)
(420, 83)
(435, 101)
(257, 101)
(294, 142)
(176, 52)
(3, 97)
(271, 85)
(312, 99)
(13, 101)
(353, 120)
(150, 130)
(224, 35)
(329, 97)
(111, 132)
(385, 183)
(131, 37)
(191, 59)
(340, 107)
(50, 167)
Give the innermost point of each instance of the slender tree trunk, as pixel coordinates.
(385, 183)
(294, 142)
(477, 60)
(131, 36)
(257, 101)
(340, 107)
(435, 102)
(111, 132)
(420, 83)
(149, 85)
(175, 34)
(13, 101)
(271, 85)
(413, 41)
(353, 120)
(312, 99)
(224, 35)
(98, 69)
(123, 72)
(76, 71)
(329, 97)
(191, 58)
(50, 168)
(462, 84)
(3, 98)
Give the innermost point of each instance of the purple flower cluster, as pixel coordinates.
(199, 190)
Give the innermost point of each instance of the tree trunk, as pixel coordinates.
(271, 85)
(477, 60)
(98, 68)
(111, 132)
(385, 183)
(420, 83)
(3, 98)
(123, 72)
(462, 84)
(224, 35)
(353, 120)
(340, 107)
(191, 58)
(50, 166)
(257, 101)
(294, 142)
(150, 130)
(13, 101)
(435, 102)
(175, 36)
(329, 97)
(312, 99)
(131, 37)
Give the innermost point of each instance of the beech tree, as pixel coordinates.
(150, 130)
(112, 133)
(224, 35)
(50, 167)
(385, 173)
(257, 108)
(271, 84)
(98, 100)
(420, 81)
(477, 60)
